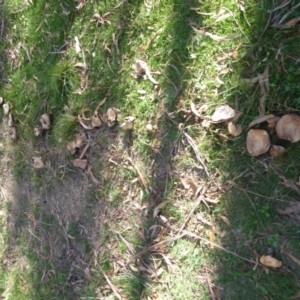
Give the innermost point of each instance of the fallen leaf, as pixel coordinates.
(260, 120)
(292, 23)
(37, 162)
(292, 211)
(271, 262)
(226, 221)
(290, 184)
(189, 184)
(252, 81)
(159, 207)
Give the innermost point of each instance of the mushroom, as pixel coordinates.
(112, 116)
(234, 130)
(6, 108)
(257, 142)
(223, 113)
(80, 163)
(288, 127)
(38, 130)
(269, 261)
(71, 146)
(149, 127)
(276, 151)
(272, 122)
(128, 124)
(1, 100)
(37, 162)
(96, 121)
(45, 121)
(80, 140)
(12, 133)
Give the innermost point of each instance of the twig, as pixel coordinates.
(190, 234)
(110, 284)
(85, 149)
(193, 145)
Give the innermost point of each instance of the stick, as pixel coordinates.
(140, 175)
(200, 198)
(193, 145)
(110, 284)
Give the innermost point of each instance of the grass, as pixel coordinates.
(61, 224)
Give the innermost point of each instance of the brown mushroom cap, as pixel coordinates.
(288, 127)
(270, 261)
(257, 142)
(223, 113)
(277, 151)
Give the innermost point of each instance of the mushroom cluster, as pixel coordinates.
(226, 114)
(82, 141)
(286, 127)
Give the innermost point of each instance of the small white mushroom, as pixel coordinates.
(37, 162)
(6, 108)
(96, 121)
(128, 124)
(234, 129)
(71, 146)
(257, 142)
(80, 140)
(288, 127)
(38, 130)
(111, 117)
(149, 127)
(45, 121)
(223, 113)
(1, 100)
